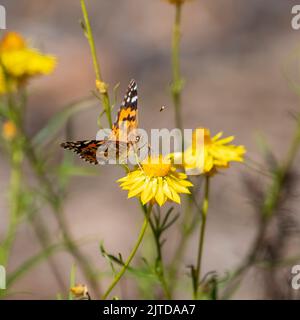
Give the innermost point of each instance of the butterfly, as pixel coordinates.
(121, 138)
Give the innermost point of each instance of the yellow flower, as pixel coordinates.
(9, 130)
(12, 41)
(80, 291)
(216, 153)
(27, 63)
(156, 181)
(19, 62)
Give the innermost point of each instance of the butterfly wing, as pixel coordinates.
(116, 147)
(87, 149)
(99, 151)
(127, 118)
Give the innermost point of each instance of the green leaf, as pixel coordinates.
(107, 257)
(142, 272)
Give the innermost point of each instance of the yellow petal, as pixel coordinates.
(175, 195)
(131, 176)
(181, 181)
(167, 190)
(134, 183)
(181, 175)
(217, 136)
(176, 186)
(135, 191)
(146, 194)
(225, 140)
(154, 186)
(138, 181)
(159, 197)
(208, 163)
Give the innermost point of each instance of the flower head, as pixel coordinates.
(9, 130)
(20, 62)
(216, 153)
(12, 41)
(156, 180)
(101, 86)
(80, 291)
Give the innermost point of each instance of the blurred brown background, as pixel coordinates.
(233, 53)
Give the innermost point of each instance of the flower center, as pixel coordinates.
(157, 167)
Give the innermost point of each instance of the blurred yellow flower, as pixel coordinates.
(156, 181)
(12, 41)
(19, 62)
(217, 153)
(101, 86)
(80, 291)
(27, 63)
(9, 130)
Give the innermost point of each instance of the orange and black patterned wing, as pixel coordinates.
(100, 151)
(86, 149)
(127, 118)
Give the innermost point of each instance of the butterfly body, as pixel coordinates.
(121, 139)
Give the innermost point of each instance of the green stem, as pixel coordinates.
(159, 267)
(15, 188)
(177, 83)
(14, 199)
(188, 226)
(131, 256)
(197, 274)
(89, 34)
